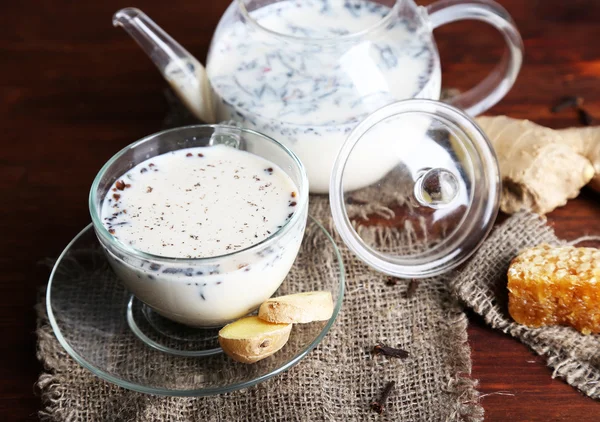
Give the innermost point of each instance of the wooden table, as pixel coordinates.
(74, 90)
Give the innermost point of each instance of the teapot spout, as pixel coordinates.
(185, 74)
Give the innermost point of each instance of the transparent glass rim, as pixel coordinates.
(329, 40)
(110, 239)
(414, 267)
(194, 392)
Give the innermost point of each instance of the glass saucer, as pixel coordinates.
(119, 339)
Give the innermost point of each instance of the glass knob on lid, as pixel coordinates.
(415, 189)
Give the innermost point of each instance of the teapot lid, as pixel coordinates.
(415, 188)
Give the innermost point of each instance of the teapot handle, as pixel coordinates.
(497, 84)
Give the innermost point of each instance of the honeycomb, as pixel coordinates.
(556, 286)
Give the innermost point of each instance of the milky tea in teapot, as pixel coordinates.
(310, 96)
(307, 72)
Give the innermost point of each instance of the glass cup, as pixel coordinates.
(204, 292)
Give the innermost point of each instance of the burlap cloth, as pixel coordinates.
(335, 382)
(481, 285)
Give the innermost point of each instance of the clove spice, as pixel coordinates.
(584, 117)
(379, 405)
(385, 350)
(567, 102)
(391, 281)
(356, 201)
(413, 285)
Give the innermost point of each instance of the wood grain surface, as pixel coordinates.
(74, 90)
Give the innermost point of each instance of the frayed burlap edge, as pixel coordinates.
(48, 383)
(468, 407)
(572, 356)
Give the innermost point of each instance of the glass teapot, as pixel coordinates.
(306, 72)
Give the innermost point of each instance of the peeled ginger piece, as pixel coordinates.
(298, 308)
(251, 339)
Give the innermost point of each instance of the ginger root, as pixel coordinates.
(251, 339)
(299, 308)
(586, 141)
(542, 168)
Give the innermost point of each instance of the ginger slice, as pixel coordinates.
(298, 308)
(542, 168)
(251, 339)
(556, 286)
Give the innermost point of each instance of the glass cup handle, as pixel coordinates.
(497, 84)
